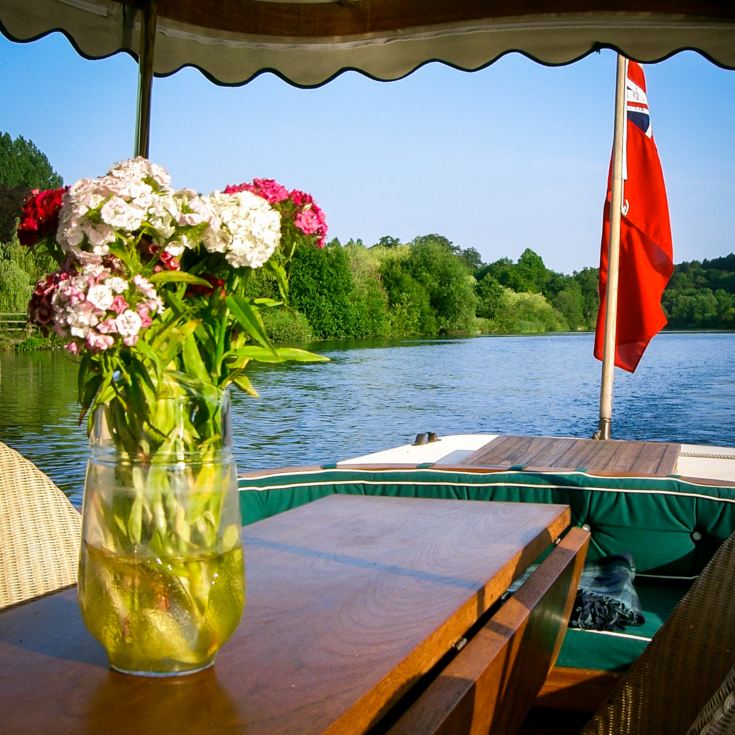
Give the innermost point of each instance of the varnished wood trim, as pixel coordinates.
(492, 682)
(577, 689)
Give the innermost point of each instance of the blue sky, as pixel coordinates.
(510, 157)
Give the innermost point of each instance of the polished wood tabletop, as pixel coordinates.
(350, 599)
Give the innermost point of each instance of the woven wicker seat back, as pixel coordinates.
(718, 715)
(40, 532)
(686, 663)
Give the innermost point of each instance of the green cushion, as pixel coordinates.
(590, 649)
(670, 526)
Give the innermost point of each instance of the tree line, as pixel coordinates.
(425, 287)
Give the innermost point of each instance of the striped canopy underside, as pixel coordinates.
(308, 42)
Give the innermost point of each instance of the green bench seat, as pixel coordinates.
(670, 526)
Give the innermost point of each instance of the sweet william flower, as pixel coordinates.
(250, 230)
(40, 215)
(118, 305)
(139, 255)
(98, 342)
(128, 323)
(100, 296)
(269, 189)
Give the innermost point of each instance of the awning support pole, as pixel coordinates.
(145, 78)
(613, 255)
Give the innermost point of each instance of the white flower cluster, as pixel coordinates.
(245, 228)
(96, 213)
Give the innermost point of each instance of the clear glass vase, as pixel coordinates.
(161, 575)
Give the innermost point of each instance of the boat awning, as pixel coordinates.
(308, 42)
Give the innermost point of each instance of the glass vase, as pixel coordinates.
(161, 576)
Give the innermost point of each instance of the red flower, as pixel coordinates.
(40, 307)
(40, 215)
(217, 283)
(149, 250)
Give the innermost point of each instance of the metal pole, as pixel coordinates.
(145, 78)
(613, 253)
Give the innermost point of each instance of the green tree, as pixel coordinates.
(489, 297)
(588, 279)
(388, 242)
(410, 309)
(369, 298)
(505, 273)
(690, 308)
(22, 167)
(321, 288)
(532, 272)
(19, 270)
(472, 258)
(448, 282)
(569, 303)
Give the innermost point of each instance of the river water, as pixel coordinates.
(374, 395)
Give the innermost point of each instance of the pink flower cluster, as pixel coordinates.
(308, 217)
(94, 306)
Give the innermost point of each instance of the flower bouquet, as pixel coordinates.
(150, 294)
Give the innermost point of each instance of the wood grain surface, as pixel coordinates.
(490, 685)
(565, 453)
(350, 600)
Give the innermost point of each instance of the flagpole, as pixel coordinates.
(613, 255)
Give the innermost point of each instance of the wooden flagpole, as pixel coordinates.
(145, 78)
(613, 254)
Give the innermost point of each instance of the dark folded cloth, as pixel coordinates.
(606, 598)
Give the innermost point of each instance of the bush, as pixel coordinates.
(526, 313)
(37, 342)
(370, 311)
(287, 326)
(321, 288)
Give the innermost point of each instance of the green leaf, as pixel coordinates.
(279, 354)
(279, 273)
(297, 355)
(178, 277)
(243, 383)
(267, 302)
(88, 392)
(151, 354)
(193, 362)
(249, 319)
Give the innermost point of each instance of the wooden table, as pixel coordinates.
(350, 600)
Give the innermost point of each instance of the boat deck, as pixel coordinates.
(565, 453)
(710, 465)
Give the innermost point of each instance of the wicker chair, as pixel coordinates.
(684, 682)
(40, 532)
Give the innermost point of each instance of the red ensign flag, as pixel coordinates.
(646, 257)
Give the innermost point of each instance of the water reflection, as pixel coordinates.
(378, 394)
